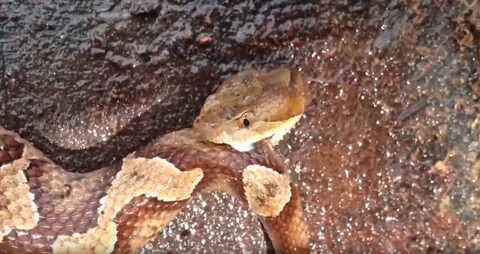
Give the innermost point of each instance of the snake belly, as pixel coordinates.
(119, 208)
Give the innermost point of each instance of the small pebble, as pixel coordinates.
(204, 40)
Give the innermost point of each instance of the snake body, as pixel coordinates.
(119, 208)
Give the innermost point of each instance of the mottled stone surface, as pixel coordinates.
(386, 154)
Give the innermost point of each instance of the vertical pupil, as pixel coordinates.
(246, 122)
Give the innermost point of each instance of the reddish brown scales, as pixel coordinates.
(289, 231)
(69, 203)
(140, 213)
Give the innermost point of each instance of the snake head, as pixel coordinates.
(250, 106)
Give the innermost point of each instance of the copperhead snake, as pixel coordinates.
(118, 209)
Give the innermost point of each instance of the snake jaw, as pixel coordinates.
(276, 136)
(243, 140)
(242, 147)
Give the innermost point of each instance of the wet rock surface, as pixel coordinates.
(386, 155)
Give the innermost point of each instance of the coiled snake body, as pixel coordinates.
(119, 208)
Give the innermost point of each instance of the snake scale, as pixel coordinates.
(119, 208)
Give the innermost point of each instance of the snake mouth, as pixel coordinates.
(243, 139)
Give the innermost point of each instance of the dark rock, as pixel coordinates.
(143, 6)
(3, 16)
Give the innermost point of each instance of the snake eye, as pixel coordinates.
(245, 119)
